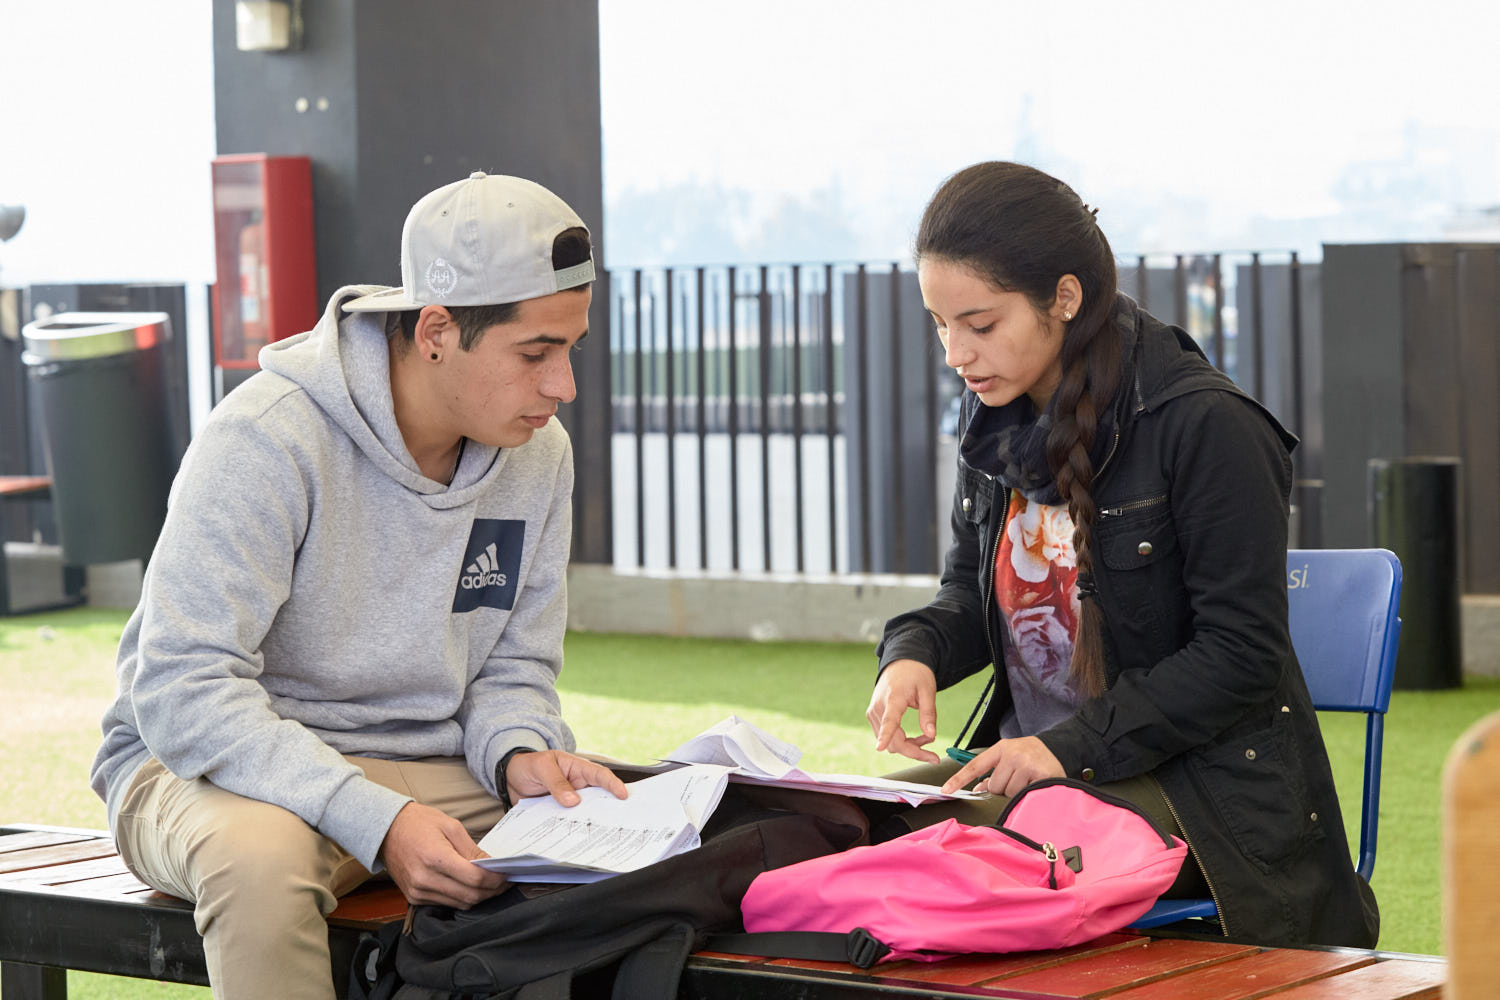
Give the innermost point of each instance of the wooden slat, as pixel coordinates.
(39, 838)
(24, 487)
(61, 874)
(1110, 972)
(40, 857)
(1247, 978)
(968, 970)
(1392, 979)
(111, 886)
(369, 907)
(1471, 845)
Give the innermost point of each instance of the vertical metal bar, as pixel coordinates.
(1143, 282)
(1219, 312)
(1299, 415)
(640, 432)
(1298, 411)
(797, 411)
(671, 399)
(702, 434)
(830, 419)
(763, 305)
(895, 477)
(734, 428)
(930, 445)
(862, 340)
(1179, 290)
(1258, 351)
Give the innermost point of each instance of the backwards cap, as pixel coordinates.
(482, 241)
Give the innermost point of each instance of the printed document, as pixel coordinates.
(758, 758)
(539, 840)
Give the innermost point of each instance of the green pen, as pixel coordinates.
(962, 756)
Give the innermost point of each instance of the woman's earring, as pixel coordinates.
(1067, 318)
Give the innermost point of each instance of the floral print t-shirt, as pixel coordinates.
(1036, 588)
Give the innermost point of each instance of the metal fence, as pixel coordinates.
(798, 417)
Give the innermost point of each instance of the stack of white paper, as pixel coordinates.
(540, 840)
(758, 758)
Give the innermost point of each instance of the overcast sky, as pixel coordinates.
(1190, 124)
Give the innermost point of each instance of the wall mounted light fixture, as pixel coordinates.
(268, 25)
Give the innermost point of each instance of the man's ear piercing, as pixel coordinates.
(434, 355)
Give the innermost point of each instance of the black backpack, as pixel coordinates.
(627, 936)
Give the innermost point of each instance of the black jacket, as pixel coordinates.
(1203, 688)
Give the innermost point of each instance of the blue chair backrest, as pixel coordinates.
(1345, 626)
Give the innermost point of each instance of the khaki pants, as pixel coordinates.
(261, 879)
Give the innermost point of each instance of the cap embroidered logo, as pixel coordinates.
(441, 278)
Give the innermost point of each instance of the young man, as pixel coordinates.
(348, 638)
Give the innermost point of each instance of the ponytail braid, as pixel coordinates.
(1090, 377)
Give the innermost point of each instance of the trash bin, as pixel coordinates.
(97, 387)
(1413, 511)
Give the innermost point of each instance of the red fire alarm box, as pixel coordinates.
(263, 249)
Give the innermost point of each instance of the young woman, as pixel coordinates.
(1119, 557)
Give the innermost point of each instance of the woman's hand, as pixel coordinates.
(1012, 765)
(904, 684)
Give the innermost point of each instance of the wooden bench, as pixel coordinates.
(66, 902)
(32, 488)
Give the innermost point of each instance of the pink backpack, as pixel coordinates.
(1063, 864)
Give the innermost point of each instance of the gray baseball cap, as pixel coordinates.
(482, 241)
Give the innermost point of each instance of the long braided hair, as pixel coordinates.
(1022, 230)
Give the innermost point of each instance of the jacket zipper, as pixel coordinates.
(1223, 920)
(1133, 505)
(989, 577)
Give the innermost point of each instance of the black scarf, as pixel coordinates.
(1010, 442)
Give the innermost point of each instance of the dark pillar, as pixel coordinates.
(392, 99)
(1409, 369)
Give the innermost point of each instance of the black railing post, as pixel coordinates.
(671, 398)
(896, 480)
(830, 420)
(702, 432)
(734, 426)
(862, 368)
(640, 431)
(797, 409)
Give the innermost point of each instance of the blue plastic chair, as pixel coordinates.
(1345, 627)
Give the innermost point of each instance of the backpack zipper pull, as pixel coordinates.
(1050, 853)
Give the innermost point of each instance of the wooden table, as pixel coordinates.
(67, 902)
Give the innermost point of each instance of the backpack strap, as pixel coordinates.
(654, 970)
(558, 986)
(859, 947)
(651, 971)
(372, 973)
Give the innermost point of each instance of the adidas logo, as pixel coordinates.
(482, 571)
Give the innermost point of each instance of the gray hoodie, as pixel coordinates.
(313, 594)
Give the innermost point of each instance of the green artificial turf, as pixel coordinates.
(634, 697)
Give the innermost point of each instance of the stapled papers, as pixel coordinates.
(539, 840)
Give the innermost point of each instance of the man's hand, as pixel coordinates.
(429, 856)
(904, 684)
(559, 774)
(1014, 765)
